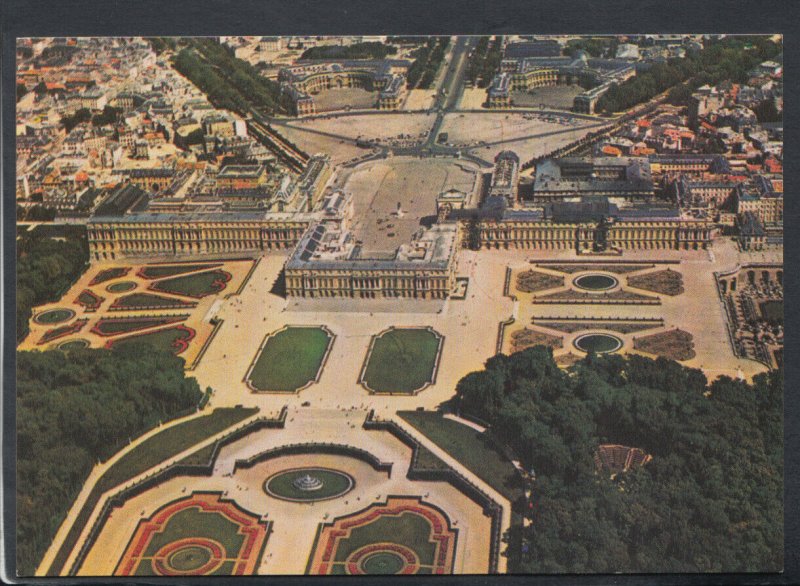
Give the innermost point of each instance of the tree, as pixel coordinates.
(711, 498)
(21, 91)
(74, 409)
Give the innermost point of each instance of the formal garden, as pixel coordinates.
(290, 359)
(402, 361)
(402, 536)
(531, 281)
(200, 535)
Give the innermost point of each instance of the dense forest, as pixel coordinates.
(46, 268)
(372, 50)
(229, 83)
(75, 409)
(709, 501)
(731, 58)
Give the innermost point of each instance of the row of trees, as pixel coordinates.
(371, 50)
(427, 59)
(229, 83)
(485, 61)
(46, 268)
(594, 46)
(75, 409)
(709, 501)
(731, 59)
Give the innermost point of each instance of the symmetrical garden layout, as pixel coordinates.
(402, 536)
(598, 307)
(402, 361)
(161, 304)
(200, 535)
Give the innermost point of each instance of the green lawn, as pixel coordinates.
(149, 453)
(197, 523)
(469, 447)
(145, 300)
(108, 274)
(290, 359)
(197, 285)
(54, 316)
(402, 360)
(121, 287)
(163, 340)
(112, 326)
(158, 271)
(407, 529)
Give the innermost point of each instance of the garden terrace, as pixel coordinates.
(674, 344)
(290, 359)
(402, 361)
(109, 274)
(109, 326)
(174, 339)
(196, 285)
(151, 452)
(151, 272)
(401, 536)
(200, 535)
(667, 282)
(136, 301)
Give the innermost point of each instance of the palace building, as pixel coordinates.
(148, 233)
(592, 225)
(307, 78)
(519, 72)
(328, 262)
(628, 178)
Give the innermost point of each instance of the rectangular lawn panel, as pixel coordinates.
(402, 361)
(471, 448)
(290, 359)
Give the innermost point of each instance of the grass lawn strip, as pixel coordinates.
(467, 446)
(109, 326)
(161, 271)
(137, 301)
(151, 452)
